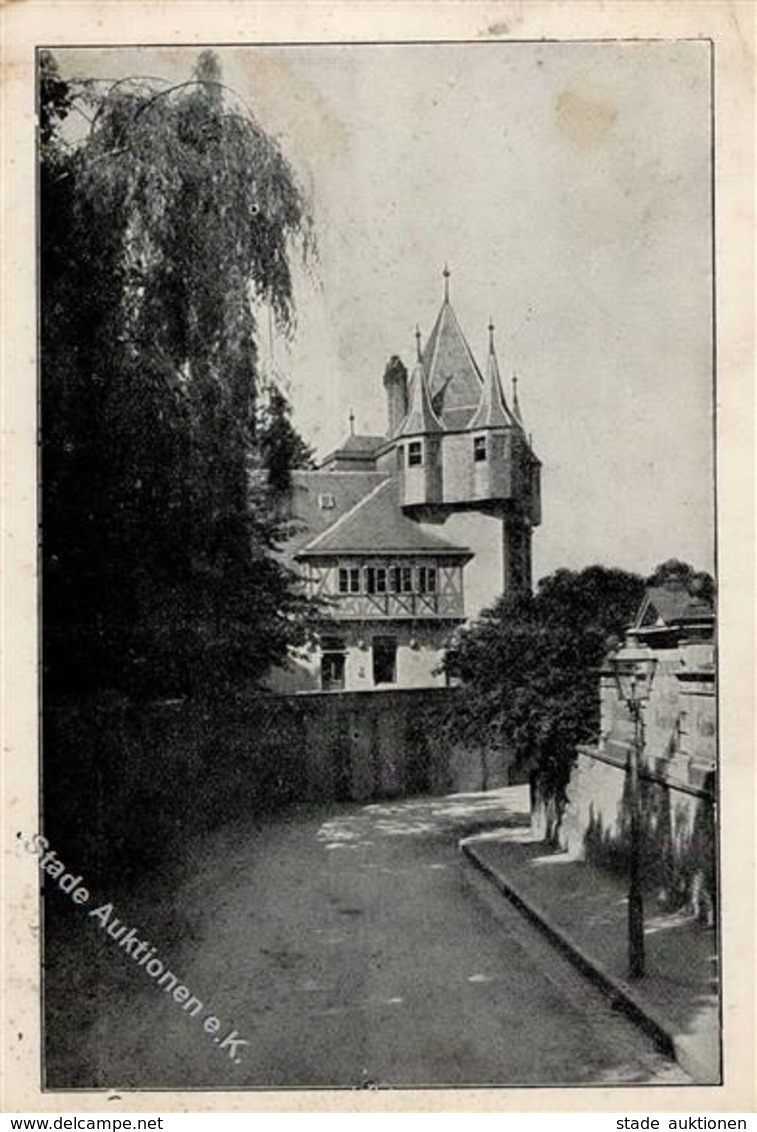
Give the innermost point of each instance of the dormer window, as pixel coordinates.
(326, 501)
(415, 453)
(479, 448)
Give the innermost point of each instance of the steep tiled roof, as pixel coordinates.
(356, 448)
(377, 525)
(421, 417)
(453, 377)
(672, 605)
(311, 490)
(361, 442)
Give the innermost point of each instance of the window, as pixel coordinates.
(415, 453)
(332, 664)
(400, 456)
(384, 660)
(479, 448)
(375, 579)
(427, 579)
(349, 580)
(326, 501)
(401, 580)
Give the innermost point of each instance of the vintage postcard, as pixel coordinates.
(379, 406)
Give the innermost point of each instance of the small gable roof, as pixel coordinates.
(361, 442)
(672, 605)
(377, 525)
(355, 448)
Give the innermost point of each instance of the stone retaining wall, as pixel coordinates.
(126, 782)
(364, 745)
(678, 824)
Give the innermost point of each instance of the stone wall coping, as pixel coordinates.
(706, 675)
(687, 787)
(384, 692)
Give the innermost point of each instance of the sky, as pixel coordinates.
(567, 186)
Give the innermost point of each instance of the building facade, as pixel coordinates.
(678, 629)
(386, 532)
(678, 766)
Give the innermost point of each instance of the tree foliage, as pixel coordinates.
(281, 447)
(529, 665)
(680, 575)
(158, 226)
(529, 668)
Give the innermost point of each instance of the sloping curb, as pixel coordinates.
(620, 993)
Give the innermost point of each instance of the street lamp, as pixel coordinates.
(633, 668)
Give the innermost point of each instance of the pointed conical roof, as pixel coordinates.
(421, 417)
(453, 376)
(492, 410)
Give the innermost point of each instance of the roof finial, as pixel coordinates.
(516, 406)
(446, 273)
(417, 341)
(491, 335)
(352, 423)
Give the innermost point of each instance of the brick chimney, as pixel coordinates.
(395, 384)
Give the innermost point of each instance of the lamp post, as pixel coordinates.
(633, 668)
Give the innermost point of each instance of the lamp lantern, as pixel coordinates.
(633, 668)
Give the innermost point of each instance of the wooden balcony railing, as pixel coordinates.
(398, 606)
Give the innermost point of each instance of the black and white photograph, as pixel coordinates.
(378, 572)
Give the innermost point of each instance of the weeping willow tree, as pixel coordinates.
(165, 211)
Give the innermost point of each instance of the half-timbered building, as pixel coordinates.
(377, 531)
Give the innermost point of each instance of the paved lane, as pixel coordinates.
(349, 947)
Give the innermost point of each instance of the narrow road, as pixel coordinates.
(348, 947)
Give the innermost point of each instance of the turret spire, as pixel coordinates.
(417, 342)
(516, 405)
(352, 423)
(421, 417)
(453, 377)
(492, 411)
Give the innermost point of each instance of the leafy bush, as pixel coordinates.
(529, 668)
